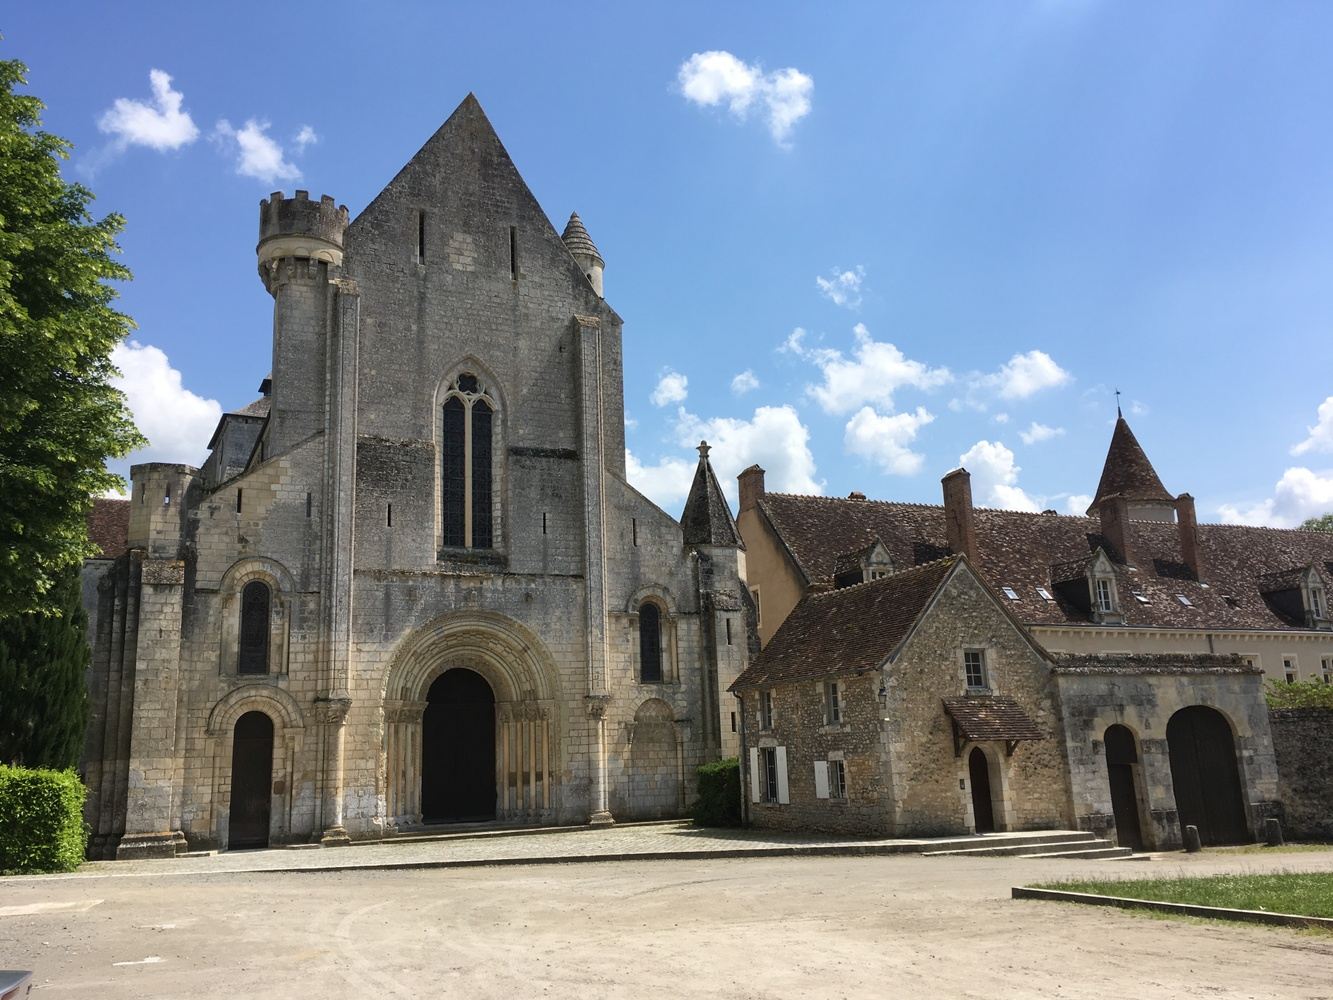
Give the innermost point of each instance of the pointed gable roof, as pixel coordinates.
(577, 239)
(1127, 470)
(707, 518)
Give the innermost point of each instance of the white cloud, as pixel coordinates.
(158, 124)
(305, 137)
(1000, 418)
(745, 382)
(794, 344)
(885, 439)
(176, 422)
(672, 387)
(995, 477)
(1039, 432)
(1321, 434)
(1138, 409)
(876, 371)
(717, 78)
(1299, 494)
(258, 154)
(774, 438)
(843, 288)
(666, 484)
(1025, 375)
(1078, 503)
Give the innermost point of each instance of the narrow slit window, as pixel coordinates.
(650, 644)
(388, 515)
(252, 655)
(728, 631)
(513, 252)
(239, 491)
(634, 529)
(309, 504)
(543, 522)
(421, 237)
(166, 497)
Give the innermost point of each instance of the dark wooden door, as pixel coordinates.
(982, 810)
(1205, 775)
(1121, 759)
(458, 749)
(251, 781)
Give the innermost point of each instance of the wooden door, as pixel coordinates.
(1205, 775)
(458, 749)
(1121, 760)
(982, 810)
(251, 781)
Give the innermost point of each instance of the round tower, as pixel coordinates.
(299, 229)
(584, 252)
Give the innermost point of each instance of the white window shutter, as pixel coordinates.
(821, 779)
(784, 796)
(756, 787)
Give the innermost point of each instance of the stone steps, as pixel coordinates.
(1080, 845)
(1108, 853)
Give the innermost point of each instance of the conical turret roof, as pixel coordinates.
(577, 239)
(1127, 470)
(707, 519)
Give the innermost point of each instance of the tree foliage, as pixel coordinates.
(1323, 522)
(1299, 694)
(60, 418)
(43, 694)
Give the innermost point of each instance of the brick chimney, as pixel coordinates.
(959, 520)
(1114, 513)
(751, 485)
(1188, 526)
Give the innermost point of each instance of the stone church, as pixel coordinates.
(410, 583)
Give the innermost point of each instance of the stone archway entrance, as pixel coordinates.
(983, 809)
(458, 749)
(251, 781)
(1205, 775)
(1122, 758)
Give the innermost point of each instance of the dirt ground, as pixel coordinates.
(766, 927)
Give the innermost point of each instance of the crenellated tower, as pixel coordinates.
(300, 248)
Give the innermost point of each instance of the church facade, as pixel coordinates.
(411, 583)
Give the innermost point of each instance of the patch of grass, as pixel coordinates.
(1309, 895)
(1265, 849)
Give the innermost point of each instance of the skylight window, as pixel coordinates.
(1141, 598)
(1010, 593)
(1184, 600)
(1044, 594)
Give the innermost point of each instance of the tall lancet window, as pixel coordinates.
(253, 646)
(467, 493)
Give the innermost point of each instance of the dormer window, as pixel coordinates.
(1105, 597)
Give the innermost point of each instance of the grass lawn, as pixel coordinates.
(1265, 849)
(1309, 895)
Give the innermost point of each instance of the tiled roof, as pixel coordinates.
(847, 562)
(577, 239)
(845, 631)
(1153, 663)
(1127, 470)
(109, 526)
(1283, 579)
(1018, 550)
(258, 408)
(707, 519)
(992, 717)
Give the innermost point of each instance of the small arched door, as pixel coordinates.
(458, 749)
(983, 812)
(251, 781)
(1122, 758)
(1205, 775)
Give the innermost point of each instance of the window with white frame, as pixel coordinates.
(1105, 596)
(768, 774)
(1289, 669)
(765, 709)
(974, 669)
(1317, 606)
(1326, 669)
(832, 703)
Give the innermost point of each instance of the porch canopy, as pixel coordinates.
(993, 717)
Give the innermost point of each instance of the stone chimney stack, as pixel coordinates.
(751, 485)
(959, 519)
(1187, 524)
(1114, 514)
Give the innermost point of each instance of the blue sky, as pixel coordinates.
(928, 233)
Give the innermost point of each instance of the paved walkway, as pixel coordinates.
(630, 842)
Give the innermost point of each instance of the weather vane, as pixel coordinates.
(1117, 403)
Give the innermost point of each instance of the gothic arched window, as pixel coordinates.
(467, 435)
(650, 643)
(253, 646)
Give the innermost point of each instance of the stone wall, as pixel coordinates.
(1303, 743)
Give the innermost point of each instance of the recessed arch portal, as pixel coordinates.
(458, 779)
(1205, 775)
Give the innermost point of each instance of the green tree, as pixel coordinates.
(43, 694)
(60, 418)
(1322, 523)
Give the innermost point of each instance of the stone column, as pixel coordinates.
(601, 815)
(331, 715)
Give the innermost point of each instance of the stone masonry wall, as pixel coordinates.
(1303, 742)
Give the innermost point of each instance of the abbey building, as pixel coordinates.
(411, 583)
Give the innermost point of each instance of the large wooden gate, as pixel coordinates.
(1121, 759)
(251, 781)
(458, 748)
(1205, 775)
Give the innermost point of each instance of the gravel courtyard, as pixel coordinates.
(732, 928)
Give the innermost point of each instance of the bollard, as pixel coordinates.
(1192, 844)
(1273, 832)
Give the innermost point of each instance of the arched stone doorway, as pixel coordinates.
(983, 808)
(458, 749)
(1205, 775)
(251, 781)
(1122, 760)
(655, 763)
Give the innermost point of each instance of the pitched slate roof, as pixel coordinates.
(846, 631)
(1018, 550)
(577, 239)
(992, 717)
(707, 518)
(109, 526)
(1127, 470)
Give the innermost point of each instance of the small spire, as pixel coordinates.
(707, 517)
(704, 450)
(578, 241)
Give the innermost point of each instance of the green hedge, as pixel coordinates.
(719, 794)
(41, 821)
(1299, 694)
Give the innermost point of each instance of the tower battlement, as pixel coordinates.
(300, 227)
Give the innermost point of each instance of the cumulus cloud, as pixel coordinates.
(1025, 375)
(305, 137)
(672, 387)
(712, 79)
(1320, 436)
(995, 477)
(1077, 503)
(745, 382)
(258, 154)
(885, 440)
(666, 483)
(159, 123)
(843, 288)
(875, 371)
(1000, 418)
(176, 422)
(1039, 432)
(773, 437)
(1299, 494)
